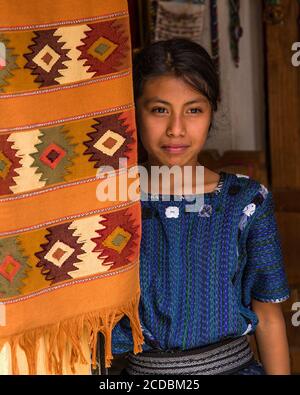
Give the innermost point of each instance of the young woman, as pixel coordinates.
(212, 276)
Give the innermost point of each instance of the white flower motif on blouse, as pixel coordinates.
(250, 209)
(172, 212)
(263, 190)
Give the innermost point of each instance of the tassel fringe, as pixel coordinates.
(69, 334)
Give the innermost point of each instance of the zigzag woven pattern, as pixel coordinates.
(68, 261)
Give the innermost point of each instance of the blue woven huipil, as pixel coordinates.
(199, 270)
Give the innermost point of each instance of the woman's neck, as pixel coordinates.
(188, 179)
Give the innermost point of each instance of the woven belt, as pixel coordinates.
(222, 358)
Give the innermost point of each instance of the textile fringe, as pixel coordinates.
(69, 333)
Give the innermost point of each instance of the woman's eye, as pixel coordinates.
(159, 110)
(196, 110)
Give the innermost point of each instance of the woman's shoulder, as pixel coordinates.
(244, 183)
(248, 192)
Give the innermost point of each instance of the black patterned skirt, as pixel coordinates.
(230, 357)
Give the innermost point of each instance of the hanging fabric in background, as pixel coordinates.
(235, 30)
(214, 29)
(151, 6)
(69, 256)
(179, 19)
(273, 13)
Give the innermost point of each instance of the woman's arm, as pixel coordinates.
(271, 338)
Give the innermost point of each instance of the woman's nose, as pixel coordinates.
(176, 126)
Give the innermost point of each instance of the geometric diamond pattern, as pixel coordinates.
(46, 58)
(52, 155)
(14, 266)
(110, 140)
(63, 55)
(59, 253)
(57, 256)
(118, 239)
(65, 153)
(9, 268)
(109, 143)
(102, 49)
(105, 48)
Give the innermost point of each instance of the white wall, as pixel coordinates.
(241, 119)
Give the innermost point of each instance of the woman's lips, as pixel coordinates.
(175, 149)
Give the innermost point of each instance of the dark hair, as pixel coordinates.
(181, 57)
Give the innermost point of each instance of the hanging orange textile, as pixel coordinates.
(69, 260)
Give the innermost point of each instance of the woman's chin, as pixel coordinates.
(175, 160)
(171, 160)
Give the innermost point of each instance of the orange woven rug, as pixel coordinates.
(69, 260)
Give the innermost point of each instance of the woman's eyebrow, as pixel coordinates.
(199, 100)
(158, 100)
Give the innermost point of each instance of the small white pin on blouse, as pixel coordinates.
(172, 212)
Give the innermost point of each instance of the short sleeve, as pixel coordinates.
(265, 266)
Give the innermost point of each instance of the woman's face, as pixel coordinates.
(173, 121)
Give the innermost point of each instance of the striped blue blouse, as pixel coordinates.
(200, 270)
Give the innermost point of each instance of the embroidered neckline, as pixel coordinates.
(218, 189)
